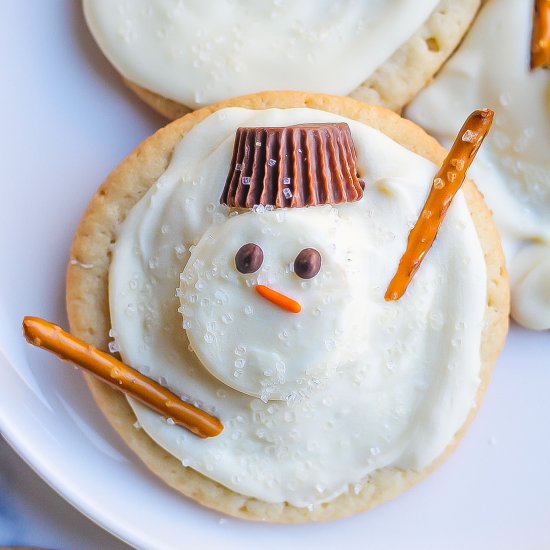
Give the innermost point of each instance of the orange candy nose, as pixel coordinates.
(278, 299)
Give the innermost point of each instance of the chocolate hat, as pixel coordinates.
(292, 166)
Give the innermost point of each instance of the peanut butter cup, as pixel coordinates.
(293, 166)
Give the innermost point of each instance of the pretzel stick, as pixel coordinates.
(446, 184)
(540, 38)
(122, 377)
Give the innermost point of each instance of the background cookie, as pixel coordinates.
(89, 313)
(392, 83)
(513, 168)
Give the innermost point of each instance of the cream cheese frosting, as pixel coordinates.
(197, 52)
(221, 313)
(513, 168)
(311, 402)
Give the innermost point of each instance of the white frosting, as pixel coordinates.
(512, 169)
(197, 52)
(530, 279)
(392, 390)
(222, 317)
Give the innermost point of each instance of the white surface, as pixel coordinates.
(67, 121)
(32, 514)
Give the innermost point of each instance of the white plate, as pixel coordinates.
(66, 122)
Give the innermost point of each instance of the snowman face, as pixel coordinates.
(245, 339)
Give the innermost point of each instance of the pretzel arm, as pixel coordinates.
(122, 377)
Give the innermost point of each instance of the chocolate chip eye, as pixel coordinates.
(249, 258)
(308, 263)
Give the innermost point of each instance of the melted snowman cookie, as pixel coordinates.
(492, 67)
(312, 401)
(369, 395)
